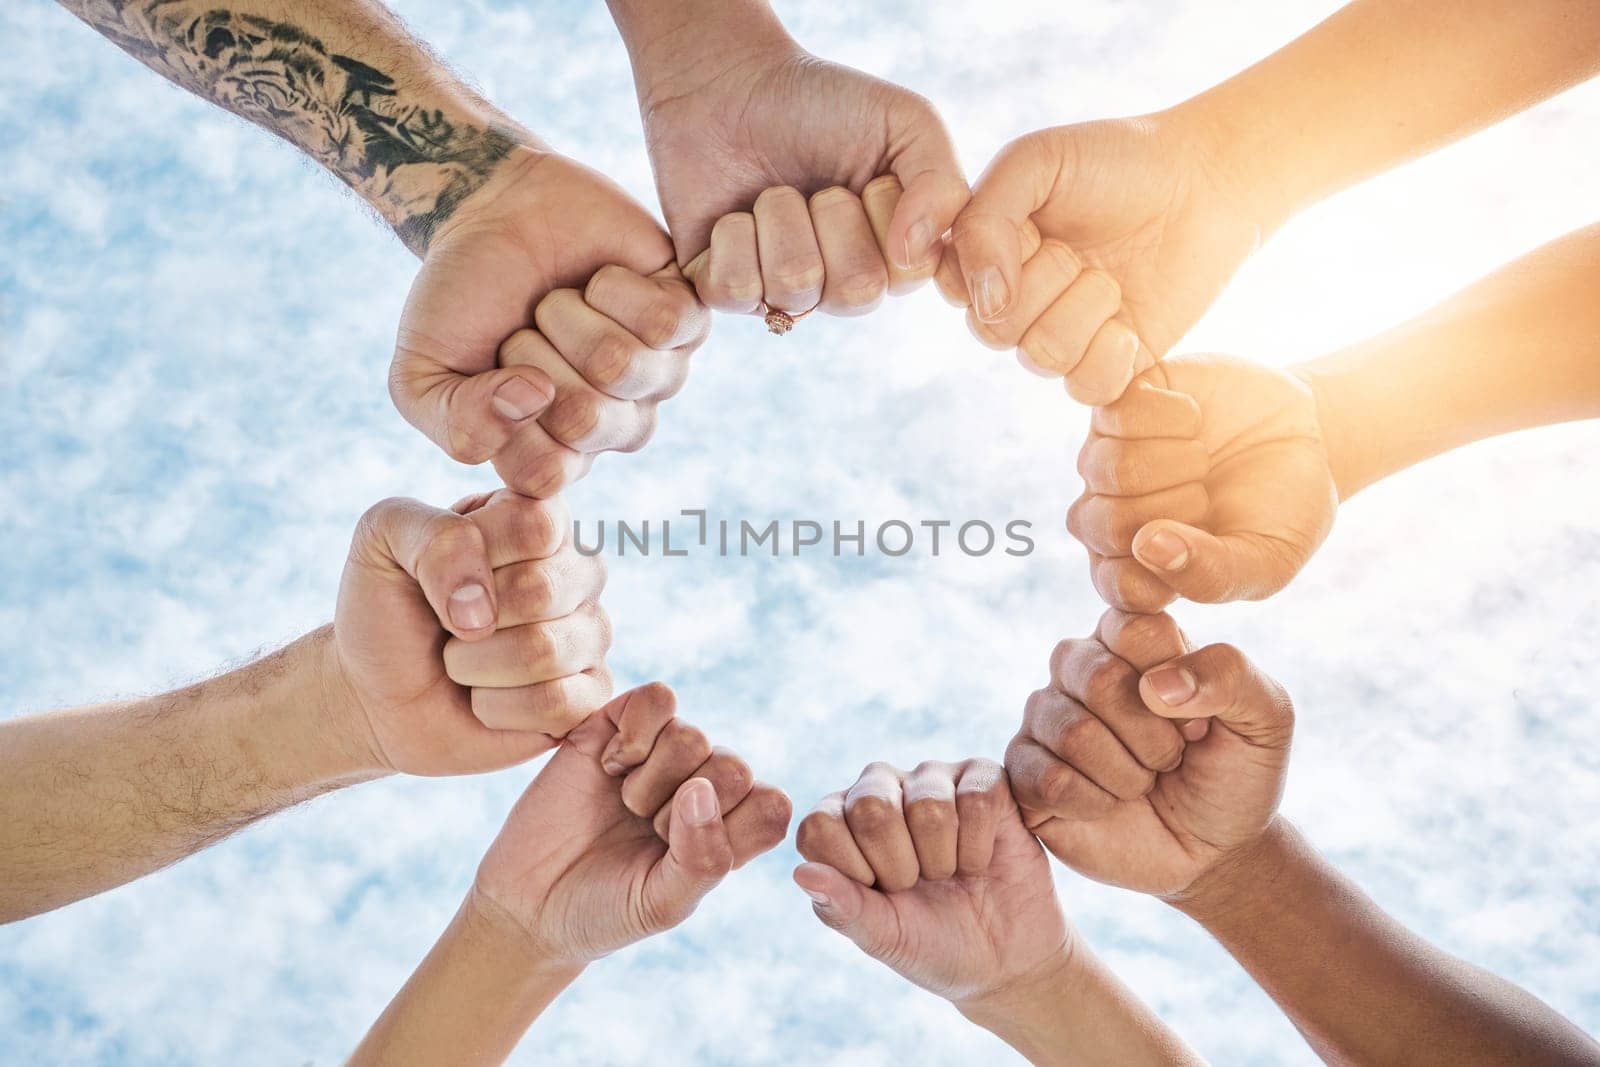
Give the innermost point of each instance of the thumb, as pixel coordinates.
(444, 553)
(988, 233)
(699, 855)
(935, 191)
(1209, 569)
(845, 905)
(1219, 682)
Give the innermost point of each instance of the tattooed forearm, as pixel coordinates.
(413, 160)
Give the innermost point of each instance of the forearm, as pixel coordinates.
(343, 81)
(1384, 81)
(472, 998)
(1359, 986)
(94, 797)
(1080, 1015)
(1519, 349)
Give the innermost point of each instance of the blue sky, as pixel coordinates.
(194, 331)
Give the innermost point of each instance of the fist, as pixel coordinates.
(1145, 762)
(469, 639)
(579, 867)
(934, 874)
(1209, 480)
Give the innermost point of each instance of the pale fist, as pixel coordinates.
(1092, 249)
(1209, 479)
(934, 874)
(579, 869)
(469, 639)
(546, 324)
(1144, 764)
(794, 183)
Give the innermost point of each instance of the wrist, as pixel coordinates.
(1230, 151)
(499, 935)
(1349, 454)
(679, 47)
(294, 727)
(1242, 881)
(1019, 1002)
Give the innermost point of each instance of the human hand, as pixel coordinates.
(1081, 764)
(790, 181)
(547, 323)
(1092, 249)
(578, 871)
(470, 639)
(1209, 479)
(934, 874)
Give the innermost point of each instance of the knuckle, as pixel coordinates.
(772, 810)
(930, 813)
(1038, 703)
(883, 183)
(814, 829)
(1107, 681)
(869, 812)
(519, 346)
(736, 773)
(646, 418)
(691, 740)
(536, 643)
(800, 274)
(661, 320)
(533, 587)
(576, 416)
(610, 361)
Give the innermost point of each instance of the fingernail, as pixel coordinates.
(699, 803)
(611, 766)
(1195, 729)
(1164, 549)
(822, 900)
(470, 608)
(989, 294)
(919, 242)
(517, 398)
(1173, 685)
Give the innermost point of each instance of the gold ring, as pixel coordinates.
(781, 322)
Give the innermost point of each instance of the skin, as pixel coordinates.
(99, 796)
(788, 181)
(1092, 249)
(1207, 839)
(548, 320)
(1216, 479)
(577, 873)
(932, 873)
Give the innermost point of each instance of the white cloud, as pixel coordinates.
(194, 335)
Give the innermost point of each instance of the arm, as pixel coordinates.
(1092, 249)
(1384, 81)
(933, 874)
(436, 603)
(343, 82)
(1203, 834)
(95, 797)
(512, 235)
(620, 836)
(1359, 986)
(1216, 479)
(788, 181)
(1521, 348)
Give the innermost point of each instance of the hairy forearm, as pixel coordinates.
(94, 797)
(1079, 1015)
(1384, 81)
(342, 80)
(1519, 349)
(471, 999)
(1359, 986)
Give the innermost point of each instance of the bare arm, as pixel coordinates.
(95, 797)
(1520, 348)
(1384, 81)
(1359, 986)
(343, 82)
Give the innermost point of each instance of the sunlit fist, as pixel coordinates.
(1209, 479)
(579, 869)
(1136, 697)
(766, 170)
(934, 874)
(547, 322)
(469, 639)
(1092, 249)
